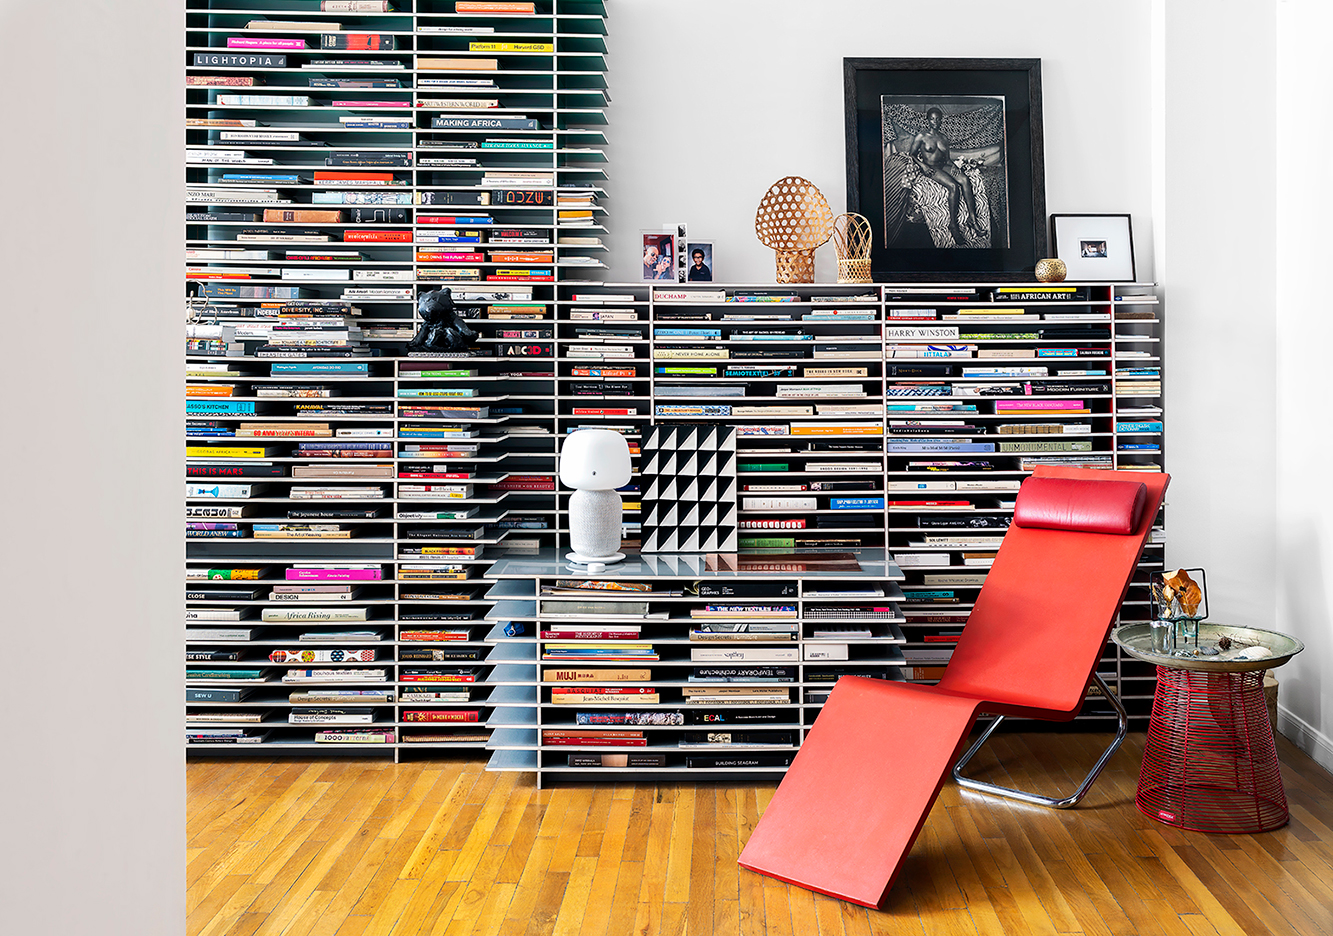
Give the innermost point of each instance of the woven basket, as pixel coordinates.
(793, 219)
(854, 270)
(851, 239)
(795, 266)
(1270, 697)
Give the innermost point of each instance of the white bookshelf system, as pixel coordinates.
(527, 376)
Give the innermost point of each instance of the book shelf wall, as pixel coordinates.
(963, 383)
(339, 163)
(643, 677)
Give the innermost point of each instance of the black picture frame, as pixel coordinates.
(1007, 155)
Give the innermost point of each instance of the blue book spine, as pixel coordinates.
(218, 406)
(772, 337)
(1138, 427)
(260, 177)
(856, 503)
(689, 332)
(919, 390)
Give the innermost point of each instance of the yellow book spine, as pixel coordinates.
(510, 47)
(223, 451)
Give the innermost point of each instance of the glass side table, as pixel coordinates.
(1209, 762)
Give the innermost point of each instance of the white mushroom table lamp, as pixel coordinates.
(594, 462)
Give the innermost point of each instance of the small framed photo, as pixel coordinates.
(699, 261)
(659, 255)
(1095, 248)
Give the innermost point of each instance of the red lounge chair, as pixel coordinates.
(855, 798)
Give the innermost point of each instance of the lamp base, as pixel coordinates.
(594, 563)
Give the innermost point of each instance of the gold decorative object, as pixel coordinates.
(851, 239)
(1051, 270)
(1178, 586)
(793, 219)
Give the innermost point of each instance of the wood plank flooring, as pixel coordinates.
(367, 848)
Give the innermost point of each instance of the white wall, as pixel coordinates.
(93, 782)
(1215, 240)
(1304, 335)
(714, 101)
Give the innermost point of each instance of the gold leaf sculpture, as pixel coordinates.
(851, 240)
(794, 219)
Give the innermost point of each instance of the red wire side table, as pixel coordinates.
(1209, 761)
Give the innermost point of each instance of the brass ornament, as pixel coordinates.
(1051, 270)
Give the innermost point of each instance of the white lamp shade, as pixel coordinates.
(595, 460)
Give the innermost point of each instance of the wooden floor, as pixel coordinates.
(354, 847)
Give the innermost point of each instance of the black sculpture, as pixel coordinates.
(440, 331)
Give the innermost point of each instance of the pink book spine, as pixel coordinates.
(260, 42)
(1037, 404)
(371, 104)
(333, 575)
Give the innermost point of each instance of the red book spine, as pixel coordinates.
(441, 716)
(604, 690)
(378, 236)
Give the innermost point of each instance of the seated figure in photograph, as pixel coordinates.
(699, 271)
(656, 264)
(944, 172)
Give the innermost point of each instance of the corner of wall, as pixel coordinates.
(1306, 737)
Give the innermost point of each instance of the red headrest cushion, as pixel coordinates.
(1081, 506)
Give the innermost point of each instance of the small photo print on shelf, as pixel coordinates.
(699, 255)
(682, 258)
(659, 255)
(1095, 248)
(689, 489)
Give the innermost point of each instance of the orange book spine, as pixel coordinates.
(460, 64)
(286, 214)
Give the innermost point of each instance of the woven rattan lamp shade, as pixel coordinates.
(851, 239)
(793, 219)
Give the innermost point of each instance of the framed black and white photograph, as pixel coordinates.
(944, 157)
(699, 261)
(1096, 248)
(659, 255)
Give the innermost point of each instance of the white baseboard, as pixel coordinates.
(1306, 737)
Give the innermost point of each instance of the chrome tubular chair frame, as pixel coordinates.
(1052, 802)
